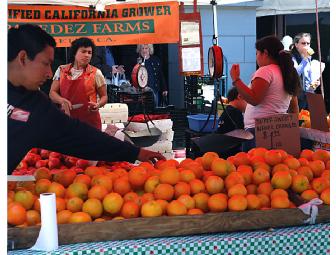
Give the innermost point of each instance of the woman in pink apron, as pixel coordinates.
(76, 85)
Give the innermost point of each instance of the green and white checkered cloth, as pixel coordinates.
(305, 240)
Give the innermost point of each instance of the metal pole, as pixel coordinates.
(319, 48)
(214, 16)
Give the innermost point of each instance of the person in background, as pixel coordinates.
(79, 87)
(33, 121)
(232, 116)
(303, 63)
(274, 86)
(106, 60)
(156, 80)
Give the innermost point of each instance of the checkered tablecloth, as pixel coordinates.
(305, 240)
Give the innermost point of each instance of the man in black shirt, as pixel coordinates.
(34, 121)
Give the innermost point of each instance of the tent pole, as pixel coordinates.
(319, 46)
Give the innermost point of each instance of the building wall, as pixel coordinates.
(236, 36)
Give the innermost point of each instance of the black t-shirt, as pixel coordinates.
(231, 119)
(34, 121)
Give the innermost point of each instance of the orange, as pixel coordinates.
(56, 188)
(130, 210)
(197, 168)
(201, 201)
(317, 166)
(97, 191)
(273, 157)
(300, 183)
(233, 179)
(247, 173)
(186, 175)
(118, 218)
(151, 183)
(306, 170)
(280, 202)
(102, 180)
(217, 202)
(185, 162)
(253, 202)
(93, 207)
(222, 167)
(93, 170)
(195, 211)
(151, 209)
(25, 198)
(265, 188)
(121, 186)
(181, 188)
(237, 203)
(264, 200)
(60, 204)
(255, 159)
(65, 177)
(309, 194)
(206, 175)
(147, 165)
(11, 186)
(63, 216)
(176, 208)
(284, 154)
(320, 184)
(37, 205)
(164, 191)
(325, 196)
(169, 175)
(321, 155)
(16, 214)
(74, 204)
(137, 176)
(238, 189)
(251, 189)
(112, 203)
(187, 200)
(33, 218)
(167, 163)
(260, 175)
(42, 173)
(280, 167)
(83, 178)
(119, 172)
(303, 162)
(328, 165)
(79, 217)
(281, 180)
(258, 151)
(163, 204)
(99, 220)
(293, 172)
(42, 186)
(113, 175)
(241, 158)
(207, 159)
(307, 154)
(279, 192)
(147, 197)
(77, 190)
(132, 196)
(292, 163)
(263, 165)
(196, 186)
(214, 184)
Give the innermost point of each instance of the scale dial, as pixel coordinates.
(215, 61)
(142, 77)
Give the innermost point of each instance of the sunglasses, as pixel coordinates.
(305, 43)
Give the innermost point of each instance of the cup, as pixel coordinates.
(310, 51)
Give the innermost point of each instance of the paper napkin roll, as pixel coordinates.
(48, 236)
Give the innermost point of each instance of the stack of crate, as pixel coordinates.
(193, 99)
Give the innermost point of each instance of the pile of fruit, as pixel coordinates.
(304, 116)
(259, 179)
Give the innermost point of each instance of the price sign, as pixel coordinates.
(279, 131)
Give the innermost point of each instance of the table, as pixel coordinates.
(303, 240)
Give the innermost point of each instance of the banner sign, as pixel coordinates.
(120, 24)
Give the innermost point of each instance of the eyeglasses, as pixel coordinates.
(305, 43)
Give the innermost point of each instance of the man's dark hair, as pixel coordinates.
(30, 38)
(232, 94)
(80, 42)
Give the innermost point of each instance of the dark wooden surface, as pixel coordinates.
(169, 226)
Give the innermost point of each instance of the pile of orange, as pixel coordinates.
(259, 179)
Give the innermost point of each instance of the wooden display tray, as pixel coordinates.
(169, 226)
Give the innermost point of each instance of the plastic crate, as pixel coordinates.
(197, 121)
